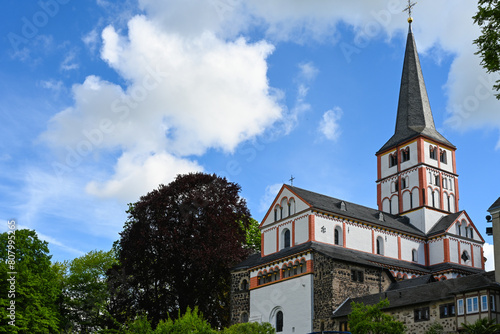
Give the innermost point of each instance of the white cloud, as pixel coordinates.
(269, 195)
(489, 254)
(329, 125)
(184, 95)
(137, 175)
(91, 40)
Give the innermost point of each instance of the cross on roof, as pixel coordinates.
(409, 7)
(291, 180)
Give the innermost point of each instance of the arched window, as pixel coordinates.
(443, 157)
(432, 152)
(414, 255)
(405, 154)
(244, 317)
(459, 229)
(286, 238)
(284, 208)
(291, 206)
(279, 322)
(277, 213)
(380, 246)
(338, 236)
(393, 159)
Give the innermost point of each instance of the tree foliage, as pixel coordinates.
(85, 292)
(192, 322)
(253, 238)
(177, 248)
(370, 319)
(481, 326)
(488, 18)
(35, 290)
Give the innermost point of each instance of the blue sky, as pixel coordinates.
(101, 102)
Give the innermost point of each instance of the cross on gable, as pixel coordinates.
(409, 7)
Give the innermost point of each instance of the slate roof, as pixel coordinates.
(414, 116)
(424, 293)
(354, 256)
(495, 206)
(356, 211)
(444, 223)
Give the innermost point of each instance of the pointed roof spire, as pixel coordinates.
(414, 116)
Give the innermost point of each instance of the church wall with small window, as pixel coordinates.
(240, 296)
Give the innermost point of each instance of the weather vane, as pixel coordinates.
(291, 180)
(408, 9)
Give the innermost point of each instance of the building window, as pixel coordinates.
(404, 183)
(405, 154)
(344, 326)
(277, 213)
(472, 305)
(244, 285)
(443, 157)
(436, 180)
(279, 322)
(421, 314)
(338, 236)
(357, 276)
(432, 152)
(244, 317)
(465, 256)
(447, 310)
(471, 233)
(286, 238)
(393, 159)
(460, 307)
(291, 206)
(484, 303)
(380, 246)
(414, 255)
(492, 303)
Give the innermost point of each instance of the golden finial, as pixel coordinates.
(408, 9)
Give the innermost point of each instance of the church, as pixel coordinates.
(418, 249)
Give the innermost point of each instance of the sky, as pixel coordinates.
(103, 101)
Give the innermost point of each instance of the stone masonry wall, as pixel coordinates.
(333, 284)
(240, 299)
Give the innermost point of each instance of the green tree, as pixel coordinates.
(481, 326)
(177, 248)
(253, 238)
(370, 319)
(488, 18)
(250, 328)
(86, 293)
(33, 289)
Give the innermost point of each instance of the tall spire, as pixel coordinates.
(414, 116)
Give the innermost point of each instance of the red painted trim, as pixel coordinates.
(262, 243)
(344, 234)
(277, 239)
(459, 257)
(446, 250)
(482, 258)
(399, 247)
(472, 255)
(422, 172)
(400, 198)
(293, 233)
(421, 150)
(373, 242)
(253, 282)
(311, 228)
(379, 167)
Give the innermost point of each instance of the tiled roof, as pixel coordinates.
(356, 211)
(444, 223)
(495, 206)
(424, 293)
(349, 255)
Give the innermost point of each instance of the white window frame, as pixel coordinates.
(460, 306)
(472, 304)
(484, 303)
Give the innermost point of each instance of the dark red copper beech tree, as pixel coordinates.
(177, 248)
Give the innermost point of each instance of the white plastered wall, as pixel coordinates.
(293, 297)
(436, 252)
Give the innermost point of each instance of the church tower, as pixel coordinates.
(416, 171)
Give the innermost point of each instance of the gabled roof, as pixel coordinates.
(424, 293)
(444, 223)
(495, 206)
(414, 117)
(356, 211)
